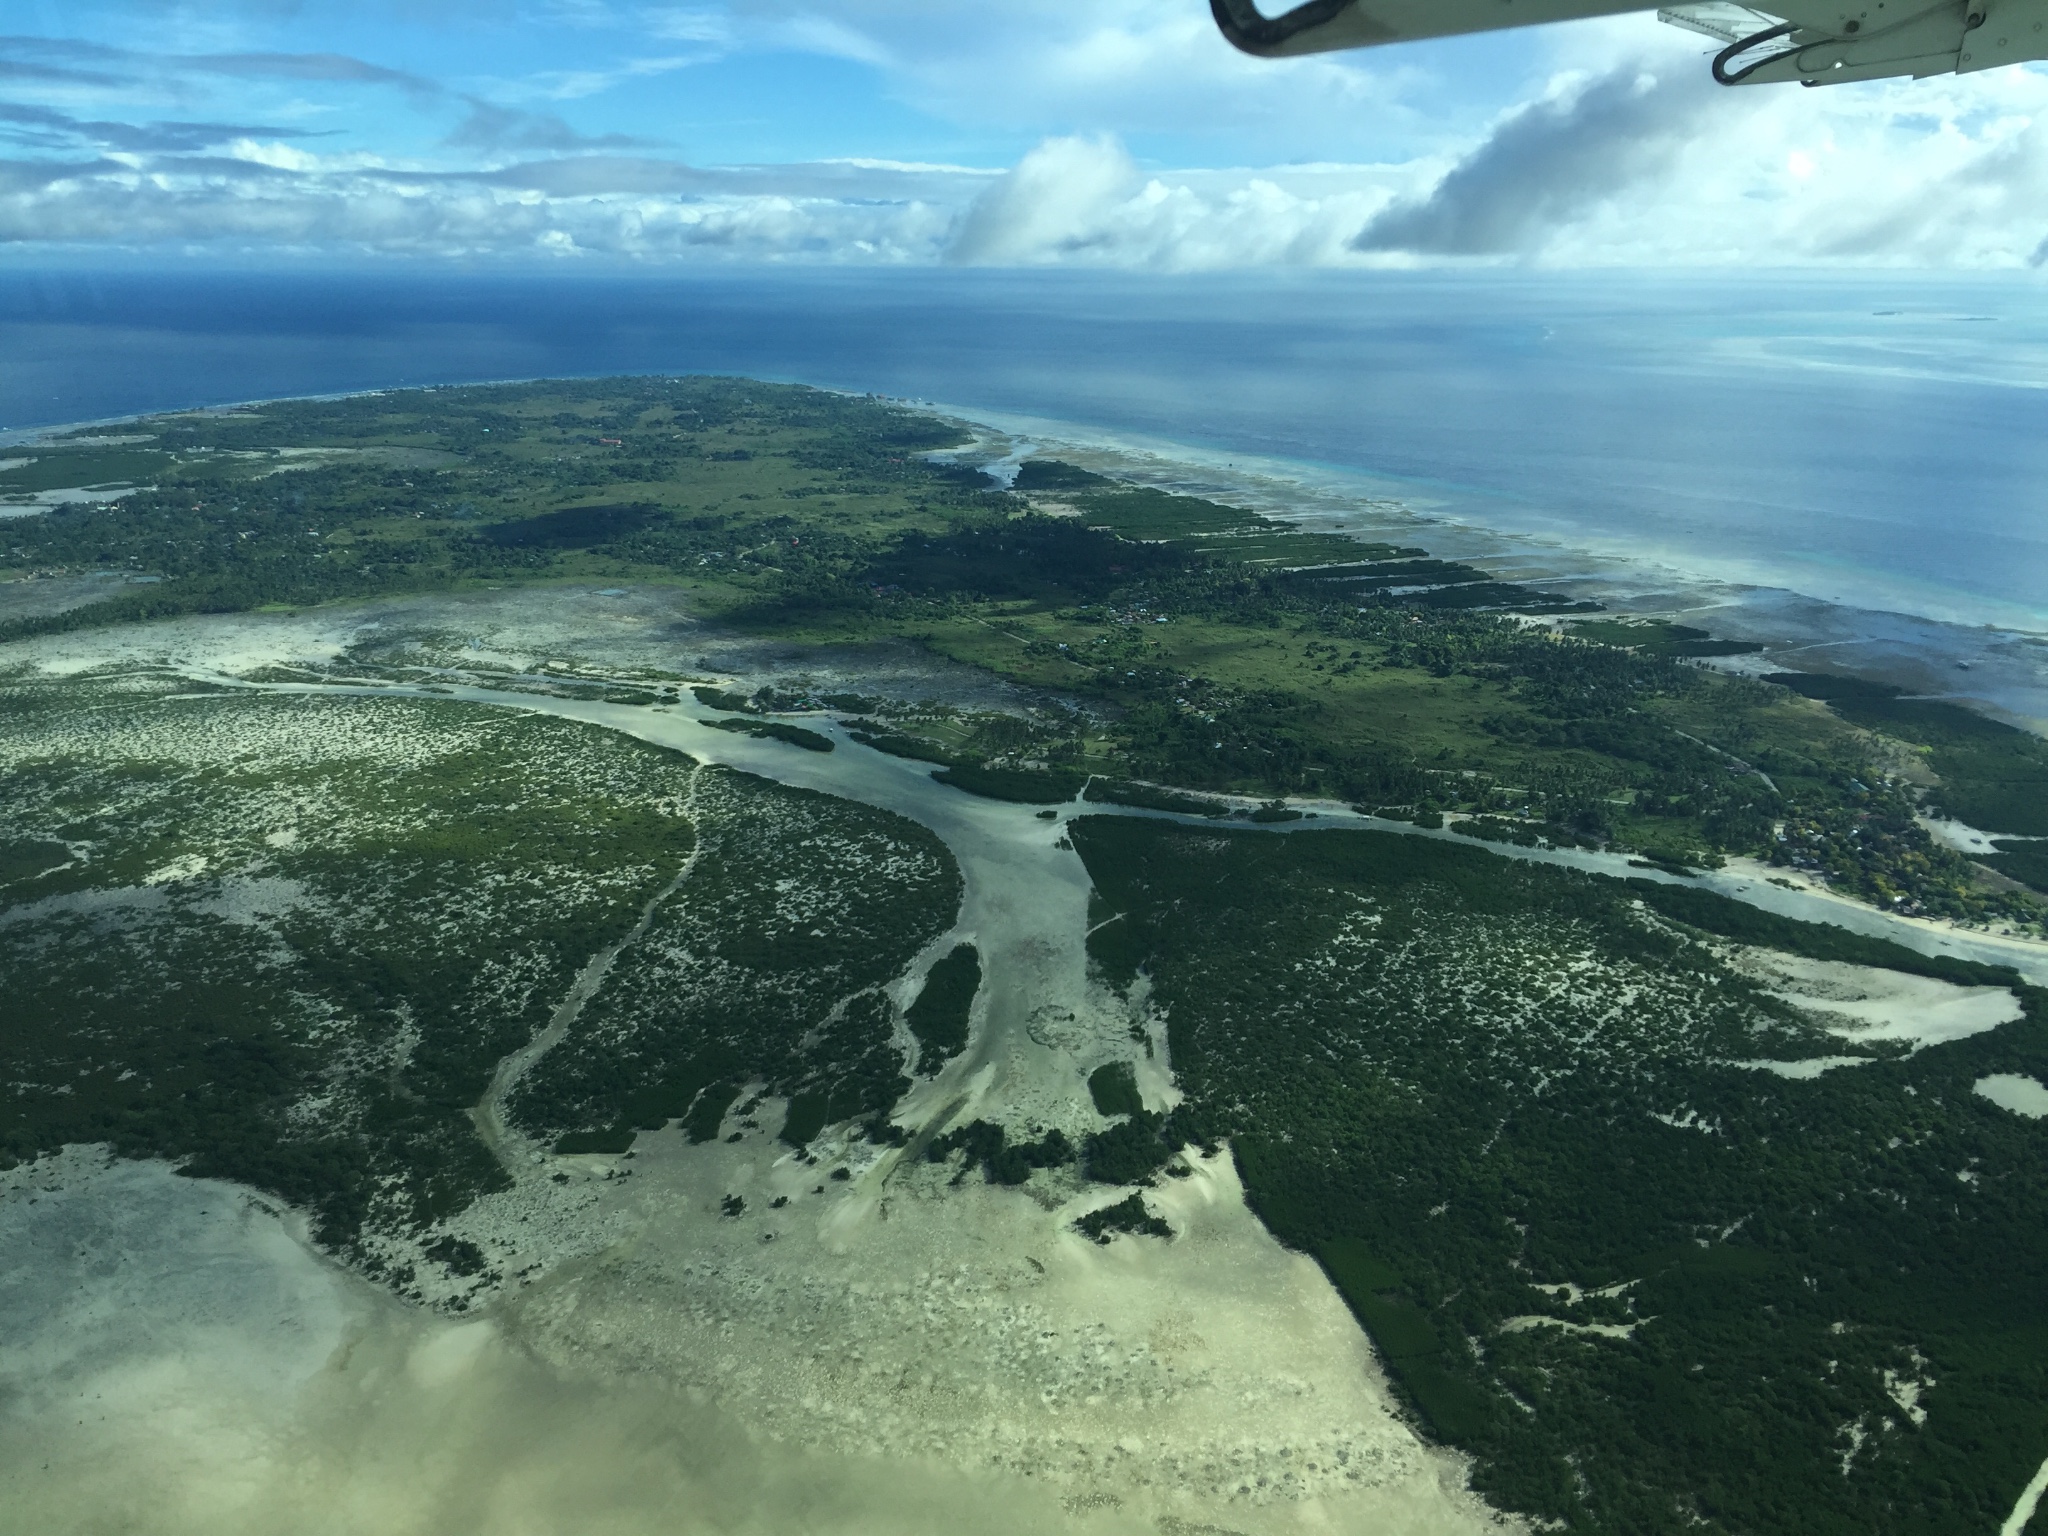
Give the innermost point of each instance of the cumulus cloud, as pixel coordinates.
(1771, 189)
(1550, 162)
(1942, 173)
(601, 207)
(1146, 66)
(1081, 201)
(1061, 199)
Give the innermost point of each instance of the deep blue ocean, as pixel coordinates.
(1860, 462)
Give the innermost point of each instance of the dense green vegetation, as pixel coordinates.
(83, 463)
(776, 730)
(917, 748)
(1133, 1149)
(1027, 786)
(266, 952)
(1649, 1285)
(1114, 1088)
(1212, 648)
(1993, 776)
(1150, 797)
(766, 966)
(1657, 637)
(1127, 1215)
(2026, 862)
(987, 1146)
(938, 1017)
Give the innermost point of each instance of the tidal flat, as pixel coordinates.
(894, 1326)
(180, 1360)
(908, 1319)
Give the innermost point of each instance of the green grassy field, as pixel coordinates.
(1210, 648)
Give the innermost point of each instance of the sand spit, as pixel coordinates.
(176, 1363)
(1866, 1004)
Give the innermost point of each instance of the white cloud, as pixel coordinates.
(1549, 163)
(1061, 200)
(686, 24)
(809, 32)
(1619, 153)
(259, 204)
(283, 157)
(1075, 201)
(1597, 172)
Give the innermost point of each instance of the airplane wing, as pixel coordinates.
(1815, 42)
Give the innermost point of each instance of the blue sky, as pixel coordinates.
(1111, 133)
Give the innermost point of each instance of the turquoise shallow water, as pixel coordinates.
(1853, 461)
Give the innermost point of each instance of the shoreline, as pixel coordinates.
(2005, 662)
(1918, 651)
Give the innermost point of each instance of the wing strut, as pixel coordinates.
(1830, 42)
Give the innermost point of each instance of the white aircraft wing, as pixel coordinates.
(1815, 42)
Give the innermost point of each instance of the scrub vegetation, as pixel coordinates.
(287, 939)
(766, 967)
(987, 1146)
(1127, 1215)
(1211, 649)
(938, 1016)
(1518, 1114)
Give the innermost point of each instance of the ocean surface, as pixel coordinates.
(1851, 468)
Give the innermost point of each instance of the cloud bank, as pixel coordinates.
(1548, 164)
(1624, 157)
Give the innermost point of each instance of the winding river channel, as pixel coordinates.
(1024, 892)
